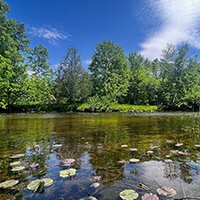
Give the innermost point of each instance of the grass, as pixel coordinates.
(118, 108)
(84, 107)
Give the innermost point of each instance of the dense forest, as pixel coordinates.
(27, 82)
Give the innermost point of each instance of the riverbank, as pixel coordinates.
(80, 108)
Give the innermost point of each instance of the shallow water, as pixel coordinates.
(95, 141)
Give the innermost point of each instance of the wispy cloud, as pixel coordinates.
(52, 35)
(87, 62)
(180, 23)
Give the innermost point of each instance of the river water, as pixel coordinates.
(165, 144)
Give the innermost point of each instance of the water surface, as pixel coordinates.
(95, 142)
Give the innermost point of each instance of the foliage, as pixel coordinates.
(111, 82)
(13, 41)
(39, 81)
(116, 107)
(143, 83)
(109, 71)
(72, 80)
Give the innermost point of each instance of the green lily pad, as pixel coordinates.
(17, 168)
(67, 173)
(15, 163)
(33, 185)
(47, 182)
(17, 156)
(8, 184)
(128, 194)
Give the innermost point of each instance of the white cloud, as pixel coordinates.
(180, 23)
(87, 62)
(51, 34)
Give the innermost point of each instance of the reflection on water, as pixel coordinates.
(95, 142)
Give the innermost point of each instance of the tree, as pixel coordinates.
(110, 71)
(173, 66)
(72, 80)
(143, 82)
(39, 81)
(13, 47)
(191, 80)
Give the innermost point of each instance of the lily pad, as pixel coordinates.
(179, 144)
(68, 173)
(150, 196)
(95, 185)
(17, 168)
(68, 162)
(88, 198)
(47, 182)
(17, 156)
(122, 161)
(36, 183)
(34, 165)
(8, 184)
(128, 194)
(168, 161)
(15, 163)
(150, 152)
(134, 160)
(166, 191)
(57, 145)
(96, 178)
(133, 149)
(154, 147)
(182, 153)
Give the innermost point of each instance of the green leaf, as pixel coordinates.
(128, 194)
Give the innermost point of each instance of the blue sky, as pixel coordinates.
(137, 25)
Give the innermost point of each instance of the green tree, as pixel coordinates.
(39, 81)
(144, 82)
(173, 66)
(13, 47)
(110, 71)
(191, 80)
(73, 82)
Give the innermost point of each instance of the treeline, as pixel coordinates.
(26, 78)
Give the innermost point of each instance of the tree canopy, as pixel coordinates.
(26, 77)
